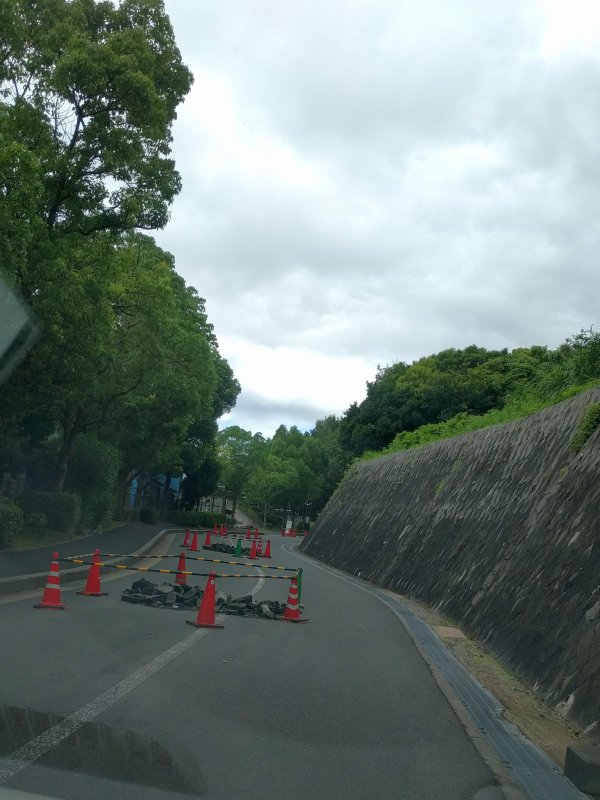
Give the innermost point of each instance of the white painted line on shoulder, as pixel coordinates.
(34, 749)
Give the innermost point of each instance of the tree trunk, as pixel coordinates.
(265, 517)
(71, 431)
(127, 489)
(166, 498)
(141, 486)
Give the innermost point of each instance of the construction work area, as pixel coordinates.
(178, 595)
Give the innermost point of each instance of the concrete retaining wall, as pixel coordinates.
(500, 530)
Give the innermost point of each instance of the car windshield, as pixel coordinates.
(299, 399)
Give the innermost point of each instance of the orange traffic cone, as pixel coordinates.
(267, 553)
(253, 549)
(180, 577)
(207, 539)
(92, 586)
(259, 547)
(293, 532)
(248, 533)
(206, 612)
(292, 609)
(256, 533)
(186, 541)
(51, 597)
(194, 545)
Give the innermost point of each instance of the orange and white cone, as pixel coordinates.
(180, 577)
(206, 612)
(186, 540)
(259, 547)
(194, 545)
(292, 609)
(267, 553)
(51, 597)
(92, 585)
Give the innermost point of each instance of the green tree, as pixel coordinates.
(238, 453)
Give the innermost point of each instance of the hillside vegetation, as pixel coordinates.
(407, 405)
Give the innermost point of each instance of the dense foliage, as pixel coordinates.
(126, 380)
(408, 405)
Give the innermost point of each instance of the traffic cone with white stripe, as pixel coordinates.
(259, 547)
(292, 609)
(51, 597)
(206, 612)
(92, 585)
(180, 577)
(186, 540)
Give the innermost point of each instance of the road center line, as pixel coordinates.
(25, 755)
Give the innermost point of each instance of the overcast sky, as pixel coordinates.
(371, 182)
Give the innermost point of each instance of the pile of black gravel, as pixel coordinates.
(163, 595)
(168, 595)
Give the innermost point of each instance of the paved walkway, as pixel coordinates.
(125, 539)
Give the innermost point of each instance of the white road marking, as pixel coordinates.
(21, 758)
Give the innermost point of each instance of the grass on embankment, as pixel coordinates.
(32, 537)
(516, 408)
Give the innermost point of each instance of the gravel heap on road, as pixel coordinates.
(168, 595)
(223, 547)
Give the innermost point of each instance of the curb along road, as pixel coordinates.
(522, 761)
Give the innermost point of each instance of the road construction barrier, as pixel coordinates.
(292, 611)
(51, 597)
(189, 558)
(206, 612)
(92, 585)
(174, 571)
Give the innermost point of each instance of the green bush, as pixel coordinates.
(589, 422)
(197, 519)
(60, 510)
(93, 474)
(148, 515)
(11, 521)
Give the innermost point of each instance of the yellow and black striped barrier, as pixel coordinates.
(173, 571)
(197, 558)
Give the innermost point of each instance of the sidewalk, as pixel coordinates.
(126, 539)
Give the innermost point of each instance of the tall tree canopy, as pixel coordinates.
(88, 94)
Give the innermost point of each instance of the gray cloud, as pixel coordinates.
(385, 180)
(259, 414)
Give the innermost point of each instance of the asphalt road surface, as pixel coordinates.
(111, 700)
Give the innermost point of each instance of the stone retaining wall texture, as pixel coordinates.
(499, 529)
